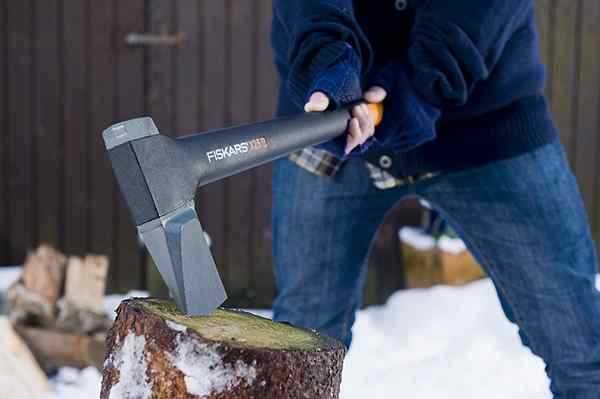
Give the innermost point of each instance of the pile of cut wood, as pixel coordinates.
(56, 307)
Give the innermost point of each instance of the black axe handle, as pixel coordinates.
(226, 152)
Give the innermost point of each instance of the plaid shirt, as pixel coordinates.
(322, 163)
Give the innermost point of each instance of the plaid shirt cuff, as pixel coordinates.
(323, 163)
(319, 162)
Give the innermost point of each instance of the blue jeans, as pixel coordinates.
(522, 218)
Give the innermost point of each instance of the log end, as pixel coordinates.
(239, 328)
(156, 351)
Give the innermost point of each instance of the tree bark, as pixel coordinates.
(155, 351)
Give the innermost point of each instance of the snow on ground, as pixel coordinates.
(8, 275)
(443, 342)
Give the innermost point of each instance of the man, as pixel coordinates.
(465, 128)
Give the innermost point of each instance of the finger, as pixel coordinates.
(354, 135)
(375, 94)
(318, 102)
(367, 127)
(358, 112)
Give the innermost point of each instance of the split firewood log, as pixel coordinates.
(20, 375)
(32, 299)
(155, 351)
(76, 320)
(85, 283)
(44, 272)
(54, 349)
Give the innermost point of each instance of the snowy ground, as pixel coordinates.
(435, 343)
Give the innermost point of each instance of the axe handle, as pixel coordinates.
(225, 152)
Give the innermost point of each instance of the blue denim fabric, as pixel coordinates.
(522, 218)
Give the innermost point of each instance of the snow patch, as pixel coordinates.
(9, 275)
(452, 245)
(441, 342)
(71, 383)
(416, 238)
(176, 326)
(132, 364)
(204, 371)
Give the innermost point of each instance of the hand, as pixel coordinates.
(361, 126)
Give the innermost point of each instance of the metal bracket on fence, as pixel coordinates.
(155, 39)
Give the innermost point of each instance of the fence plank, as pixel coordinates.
(20, 116)
(266, 86)
(588, 121)
(101, 98)
(564, 89)
(211, 199)
(48, 130)
(161, 99)
(75, 126)
(4, 140)
(188, 68)
(130, 103)
(543, 16)
(240, 201)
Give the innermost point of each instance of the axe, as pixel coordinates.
(158, 176)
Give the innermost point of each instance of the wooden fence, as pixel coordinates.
(67, 73)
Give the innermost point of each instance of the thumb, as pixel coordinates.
(375, 94)
(318, 102)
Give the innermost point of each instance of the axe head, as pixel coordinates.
(174, 237)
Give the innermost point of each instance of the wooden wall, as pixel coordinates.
(570, 46)
(65, 77)
(66, 73)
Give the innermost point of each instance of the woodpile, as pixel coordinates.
(57, 308)
(155, 351)
(428, 261)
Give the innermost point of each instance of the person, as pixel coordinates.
(465, 128)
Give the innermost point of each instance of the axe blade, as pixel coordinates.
(178, 246)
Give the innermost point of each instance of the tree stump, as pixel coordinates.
(154, 351)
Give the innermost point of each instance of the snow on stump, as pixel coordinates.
(154, 351)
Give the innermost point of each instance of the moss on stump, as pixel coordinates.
(154, 351)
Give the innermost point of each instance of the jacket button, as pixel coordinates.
(401, 5)
(385, 162)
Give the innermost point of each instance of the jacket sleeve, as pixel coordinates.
(319, 33)
(455, 44)
(409, 119)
